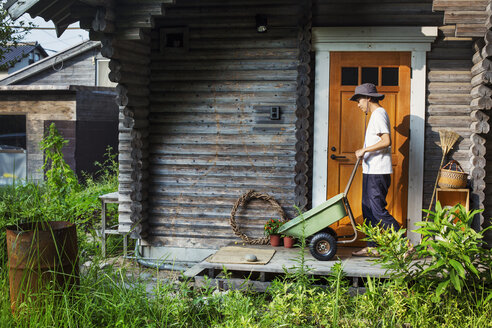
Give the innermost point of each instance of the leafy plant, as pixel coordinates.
(61, 180)
(272, 226)
(456, 254)
(451, 256)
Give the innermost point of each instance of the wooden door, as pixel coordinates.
(390, 72)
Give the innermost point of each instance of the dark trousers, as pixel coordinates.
(374, 190)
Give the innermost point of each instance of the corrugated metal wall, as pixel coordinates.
(211, 137)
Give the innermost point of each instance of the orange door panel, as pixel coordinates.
(390, 72)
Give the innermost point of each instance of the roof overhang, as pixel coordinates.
(52, 88)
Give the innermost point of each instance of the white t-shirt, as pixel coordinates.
(377, 162)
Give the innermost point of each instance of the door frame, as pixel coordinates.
(416, 40)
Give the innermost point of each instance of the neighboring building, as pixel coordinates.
(210, 108)
(20, 56)
(66, 89)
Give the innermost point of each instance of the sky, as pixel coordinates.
(48, 39)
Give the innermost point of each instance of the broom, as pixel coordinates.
(448, 139)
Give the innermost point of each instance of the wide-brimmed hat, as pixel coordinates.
(366, 89)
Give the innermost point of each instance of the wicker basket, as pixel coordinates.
(452, 176)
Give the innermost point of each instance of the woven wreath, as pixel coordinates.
(242, 201)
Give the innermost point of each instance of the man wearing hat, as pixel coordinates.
(376, 163)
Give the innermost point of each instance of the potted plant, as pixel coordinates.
(288, 241)
(271, 229)
(41, 244)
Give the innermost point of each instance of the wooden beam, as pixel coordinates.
(470, 30)
(475, 5)
(97, 3)
(18, 8)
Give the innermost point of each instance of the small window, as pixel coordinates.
(350, 75)
(389, 76)
(12, 132)
(174, 39)
(369, 75)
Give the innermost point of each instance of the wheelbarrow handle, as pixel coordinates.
(349, 183)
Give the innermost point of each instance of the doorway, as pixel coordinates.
(390, 72)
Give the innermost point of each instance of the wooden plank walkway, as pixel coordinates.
(353, 267)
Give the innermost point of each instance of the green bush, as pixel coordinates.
(451, 253)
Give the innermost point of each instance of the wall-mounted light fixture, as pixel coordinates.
(261, 23)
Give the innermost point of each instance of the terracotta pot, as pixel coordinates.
(275, 240)
(288, 242)
(40, 254)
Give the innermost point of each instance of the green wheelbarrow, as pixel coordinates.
(314, 224)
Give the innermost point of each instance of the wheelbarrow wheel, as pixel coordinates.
(323, 246)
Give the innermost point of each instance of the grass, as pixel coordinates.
(108, 297)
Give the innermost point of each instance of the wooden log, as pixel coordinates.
(140, 48)
(143, 175)
(139, 134)
(140, 123)
(459, 5)
(470, 29)
(480, 127)
(135, 89)
(487, 50)
(478, 161)
(481, 103)
(124, 56)
(116, 66)
(457, 17)
(136, 21)
(478, 150)
(477, 139)
(484, 78)
(478, 185)
(123, 77)
(98, 3)
(478, 45)
(138, 194)
(478, 115)
(104, 21)
(483, 65)
(132, 34)
(477, 173)
(156, 9)
(122, 100)
(141, 112)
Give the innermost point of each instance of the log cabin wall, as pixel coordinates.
(211, 136)
(481, 139)
(375, 13)
(448, 103)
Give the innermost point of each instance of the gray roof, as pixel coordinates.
(16, 53)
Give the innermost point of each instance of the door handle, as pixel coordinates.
(332, 156)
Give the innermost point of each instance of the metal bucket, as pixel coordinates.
(41, 254)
